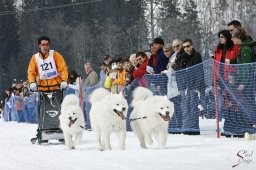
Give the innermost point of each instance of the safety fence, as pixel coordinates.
(210, 90)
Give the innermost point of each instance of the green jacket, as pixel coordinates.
(245, 55)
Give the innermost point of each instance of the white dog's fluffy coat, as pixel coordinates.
(150, 115)
(71, 121)
(108, 114)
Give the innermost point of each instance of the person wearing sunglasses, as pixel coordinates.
(225, 54)
(195, 86)
(47, 70)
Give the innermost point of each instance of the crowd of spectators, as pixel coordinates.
(172, 67)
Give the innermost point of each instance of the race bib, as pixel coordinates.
(47, 68)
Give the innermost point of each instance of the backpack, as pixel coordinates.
(253, 47)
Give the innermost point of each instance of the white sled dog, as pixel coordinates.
(72, 121)
(108, 114)
(150, 115)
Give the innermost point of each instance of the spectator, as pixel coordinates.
(161, 59)
(120, 78)
(19, 108)
(195, 76)
(246, 71)
(160, 81)
(143, 62)
(134, 61)
(152, 59)
(129, 69)
(103, 70)
(90, 82)
(179, 66)
(168, 51)
(107, 59)
(7, 105)
(236, 120)
(226, 52)
(73, 83)
(172, 92)
(92, 76)
(111, 76)
(233, 25)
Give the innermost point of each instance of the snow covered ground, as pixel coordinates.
(182, 152)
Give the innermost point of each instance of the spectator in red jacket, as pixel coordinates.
(143, 62)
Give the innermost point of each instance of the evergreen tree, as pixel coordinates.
(191, 27)
(9, 42)
(171, 20)
(170, 9)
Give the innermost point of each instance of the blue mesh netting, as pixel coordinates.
(205, 91)
(235, 86)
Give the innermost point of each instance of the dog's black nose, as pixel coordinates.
(123, 108)
(70, 118)
(167, 112)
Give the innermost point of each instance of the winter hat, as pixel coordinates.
(158, 41)
(226, 34)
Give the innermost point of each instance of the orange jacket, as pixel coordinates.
(49, 84)
(120, 80)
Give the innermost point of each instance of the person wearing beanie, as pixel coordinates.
(161, 59)
(158, 41)
(161, 63)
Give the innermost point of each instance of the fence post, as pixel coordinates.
(214, 73)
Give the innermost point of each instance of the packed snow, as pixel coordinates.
(182, 152)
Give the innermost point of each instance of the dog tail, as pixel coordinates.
(140, 94)
(70, 100)
(98, 95)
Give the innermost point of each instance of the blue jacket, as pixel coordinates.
(161, 61)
